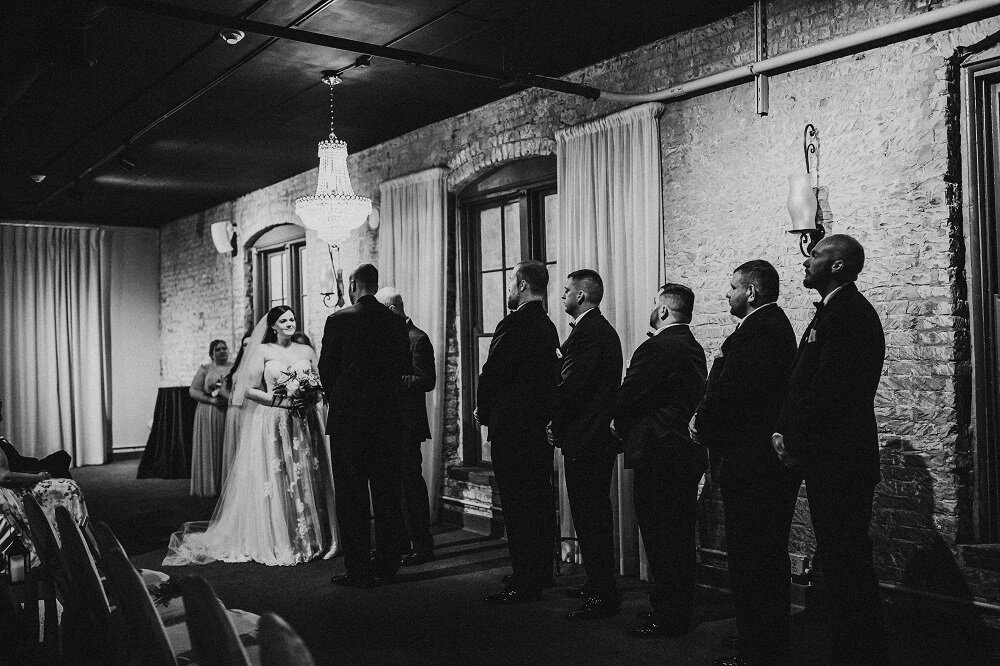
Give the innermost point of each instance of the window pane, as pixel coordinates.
(512, 230)
(550, 205)
(489, 238)
(484, 350)
(493, 300)
(276, 278)
(553, 294)
(302, 314)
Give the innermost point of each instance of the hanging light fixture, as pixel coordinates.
(334, 211)
(802, 200)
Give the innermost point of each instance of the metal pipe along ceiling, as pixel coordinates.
(928, 22)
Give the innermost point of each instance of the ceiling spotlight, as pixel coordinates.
(231, 35)
(363, 61)
(330, 77)
(37, 177)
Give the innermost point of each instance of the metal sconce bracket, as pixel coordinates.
(338, 277)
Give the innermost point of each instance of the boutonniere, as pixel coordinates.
(812, 336)
(559, 353)
(718, 355)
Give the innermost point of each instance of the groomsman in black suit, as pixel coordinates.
(361, 363)
(827, 430)
(585, 399)
(514, 400)
(418, 381)
(735, 421)
(663, 384)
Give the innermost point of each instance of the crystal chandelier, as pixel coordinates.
(334, 211)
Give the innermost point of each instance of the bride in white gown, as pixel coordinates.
(277, 505)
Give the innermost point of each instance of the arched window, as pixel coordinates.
(279, 269)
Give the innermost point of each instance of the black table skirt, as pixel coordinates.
(168, 449)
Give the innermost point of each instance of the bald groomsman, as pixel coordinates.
(417, 382)
(827, 430)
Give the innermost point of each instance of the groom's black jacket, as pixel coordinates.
(361, 365)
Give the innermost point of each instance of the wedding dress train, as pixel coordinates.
(276, 506)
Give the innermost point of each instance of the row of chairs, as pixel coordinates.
(112, 619)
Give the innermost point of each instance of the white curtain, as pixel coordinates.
(54, 340)
(610, 220)
(411, 256)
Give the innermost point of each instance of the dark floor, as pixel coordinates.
(434, 613)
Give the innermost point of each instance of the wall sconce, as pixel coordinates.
(17, 562)
(802, 202)
(224, 237)
(331, 282)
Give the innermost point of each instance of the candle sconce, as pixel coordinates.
(802, 202)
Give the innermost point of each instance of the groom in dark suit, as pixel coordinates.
(585, 399)
(514, 400)
(361, 365)
(663, 384)
(827, 430)
(735, 421)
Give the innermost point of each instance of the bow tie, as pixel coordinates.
(649, 335)
(572, 324)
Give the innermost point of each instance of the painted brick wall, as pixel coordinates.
(195, 296)
(884, 167)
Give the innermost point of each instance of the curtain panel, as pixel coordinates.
(412, 248)
(611, 220)
(55, 349)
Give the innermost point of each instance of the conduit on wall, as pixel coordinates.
(922, 24)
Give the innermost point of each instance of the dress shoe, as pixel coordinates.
(594, 608)
(734, 660)
(416, 558)
(354, 580)
(512, 597)
(653, 629)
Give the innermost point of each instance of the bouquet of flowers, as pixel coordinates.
(301, 387)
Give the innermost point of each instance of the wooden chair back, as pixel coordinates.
(146, 635)
(280, 645)
(106, 540)
(213, 636)
(42, 536)
(88, 591)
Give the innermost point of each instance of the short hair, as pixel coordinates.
(213, 344)
(679, 298)
(850, 251)
(365, 275)
(389, 296)
(763, 276)
(534, 273)
(590, 283)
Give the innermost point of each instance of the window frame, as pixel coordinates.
(294, 249)
(529, 187)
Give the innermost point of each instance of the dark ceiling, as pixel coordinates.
(136, 119)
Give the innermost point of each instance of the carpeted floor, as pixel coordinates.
(434, 614)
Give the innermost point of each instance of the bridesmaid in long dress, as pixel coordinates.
(234, 416)
(209, 421)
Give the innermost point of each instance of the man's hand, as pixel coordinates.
(553, 441)
(475, 415)
(778, 442)
(692, 431)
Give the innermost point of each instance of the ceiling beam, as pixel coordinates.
(364, 48)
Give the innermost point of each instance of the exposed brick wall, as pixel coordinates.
(195, 296)
(887, 169)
